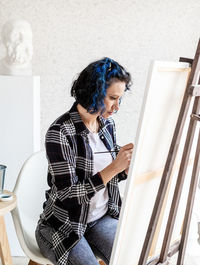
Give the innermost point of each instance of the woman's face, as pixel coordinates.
(113, 96)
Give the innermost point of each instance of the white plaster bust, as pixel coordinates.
(17, 38)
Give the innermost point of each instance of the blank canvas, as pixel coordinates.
(163, 96)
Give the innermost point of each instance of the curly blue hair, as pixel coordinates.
(89, 89)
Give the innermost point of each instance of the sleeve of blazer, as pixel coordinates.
(62, 171)
(122, 175)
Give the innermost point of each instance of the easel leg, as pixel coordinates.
(4, 245)
(190, 203)
(164, 263)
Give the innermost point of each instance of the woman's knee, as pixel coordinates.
(43, 236)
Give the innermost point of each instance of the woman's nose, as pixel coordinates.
(117, 105)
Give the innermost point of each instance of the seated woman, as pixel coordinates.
(83, 203)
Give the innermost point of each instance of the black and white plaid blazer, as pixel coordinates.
(71, 180)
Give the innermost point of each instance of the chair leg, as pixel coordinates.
(101, 262)
(33, 263)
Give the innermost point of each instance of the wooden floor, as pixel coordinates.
(194, 260)
(188, 261)
(22, 261)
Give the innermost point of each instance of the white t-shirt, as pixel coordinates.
(99, 202)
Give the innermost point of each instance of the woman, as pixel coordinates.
(83, 203)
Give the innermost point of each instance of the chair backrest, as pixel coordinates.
(30, 190)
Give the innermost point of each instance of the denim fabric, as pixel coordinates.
(43, 236)
(97, 241)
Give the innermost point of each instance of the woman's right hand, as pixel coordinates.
(121, 163)
(123, 158)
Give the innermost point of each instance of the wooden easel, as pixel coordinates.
(192, 90)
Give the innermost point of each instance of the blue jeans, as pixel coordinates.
(97, 240)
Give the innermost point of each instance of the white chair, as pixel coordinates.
(30, 190)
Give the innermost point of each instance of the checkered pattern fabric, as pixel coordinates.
(72, 183)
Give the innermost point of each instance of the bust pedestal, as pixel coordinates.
(19, 131)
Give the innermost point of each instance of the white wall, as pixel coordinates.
(69, 34)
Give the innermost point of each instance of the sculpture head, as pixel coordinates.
(17, 38)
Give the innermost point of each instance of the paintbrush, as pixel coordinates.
(102, 152)
(111, 151)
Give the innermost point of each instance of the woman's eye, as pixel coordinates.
(112, 98)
